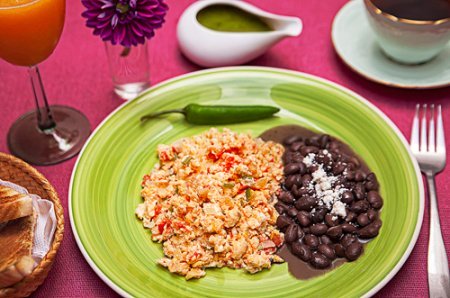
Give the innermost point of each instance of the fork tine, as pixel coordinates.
(431, 138)
(415, 131)
(423, 130)
(440, 132)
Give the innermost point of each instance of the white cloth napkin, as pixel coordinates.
(45, 223)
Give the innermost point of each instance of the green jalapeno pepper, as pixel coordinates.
(220, 114)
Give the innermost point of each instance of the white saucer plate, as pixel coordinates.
(355, 43)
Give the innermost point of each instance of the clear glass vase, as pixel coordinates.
(129, 69)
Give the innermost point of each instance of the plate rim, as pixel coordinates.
(397, 131)
(355, 69)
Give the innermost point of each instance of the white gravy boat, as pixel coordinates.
(211, 48)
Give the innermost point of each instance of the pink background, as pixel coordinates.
(77, 75)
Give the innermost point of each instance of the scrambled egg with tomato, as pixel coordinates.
(210, 201)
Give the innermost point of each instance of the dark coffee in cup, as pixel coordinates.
(420, 10)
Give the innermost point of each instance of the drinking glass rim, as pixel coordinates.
(19, 5)
(377, 10)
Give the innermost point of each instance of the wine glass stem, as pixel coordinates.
(44, 114)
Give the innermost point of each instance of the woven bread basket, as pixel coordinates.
(17, 171)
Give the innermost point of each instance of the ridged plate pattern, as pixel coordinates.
(105, 188)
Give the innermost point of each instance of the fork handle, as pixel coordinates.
(438, 274)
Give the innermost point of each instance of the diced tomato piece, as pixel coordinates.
(242, 188)
(277, 240)
(179, 225)
(163, 156)
(145, 179)
(162, 225)
(157, 210)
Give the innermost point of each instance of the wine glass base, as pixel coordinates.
(38, 147)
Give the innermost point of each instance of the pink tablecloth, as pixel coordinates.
(77, 75)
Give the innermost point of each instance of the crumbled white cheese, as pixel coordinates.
(326, 191)
(308, 160)
(339, 209)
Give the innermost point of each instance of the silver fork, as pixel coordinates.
(431, 157)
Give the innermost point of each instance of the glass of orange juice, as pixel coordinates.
(29, 32)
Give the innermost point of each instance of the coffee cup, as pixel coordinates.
(408, 40)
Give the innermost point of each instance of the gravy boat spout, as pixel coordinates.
(210, 48)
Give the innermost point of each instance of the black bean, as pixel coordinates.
(304, 191)
(370, 231)
(348, 239)
(338, 169)
(335, 232)
(363, 220)
(340, 181)
(313, 141)
(292, 211)
(319, 229)
(304, 219)
(305, 203)
(355, 161)
(283, 221)
(317, 217)
(348, 228)
(306, 180)
(375, 199)
(295, 191)
(371, 177)
(324, 140)
(322, 159)
(290, 157)
(286, 197)
(324, 239)
(353, 251)
(305, 150)
(347, 197)
(319, 261)
(359, 191)
(360, 206)
(377, 223)
(292, 168)
(300, 233)
(296, 146)
(327, 251)
(360, 176)
(291, 139)
(349, 174)
(301, 250)
(331, 220)
(340, 250)
(372, 214)
(337, 152)
(281, 207)
(291, 233)
(345, 157)
(290, 181)
(311, 240)
(313, 168)
(371, 185)
(351, 216)
(334, 145)
(301, 168)
(334, 156)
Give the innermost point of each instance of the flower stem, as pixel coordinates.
(126, 51)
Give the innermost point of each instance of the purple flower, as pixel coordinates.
(125, 22)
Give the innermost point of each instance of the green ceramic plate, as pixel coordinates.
(106, 181)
